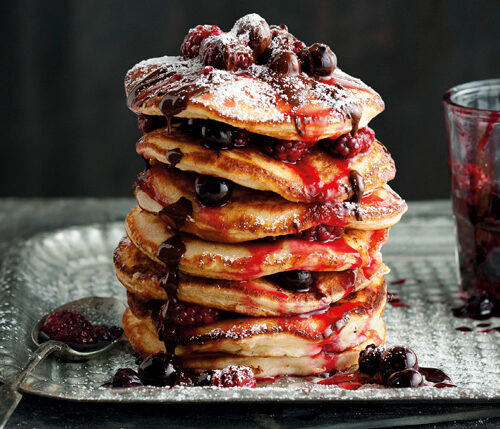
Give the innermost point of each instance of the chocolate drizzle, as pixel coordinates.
(173, 156)
(358, 187)
(175, 101)
(170, 251)
(355, 115)
(178, 212)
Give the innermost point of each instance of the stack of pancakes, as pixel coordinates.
(255, 280)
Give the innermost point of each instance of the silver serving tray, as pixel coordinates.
(53, 268)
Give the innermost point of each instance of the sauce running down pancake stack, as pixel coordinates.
(263, 207)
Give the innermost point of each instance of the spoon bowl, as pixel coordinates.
(99, 311)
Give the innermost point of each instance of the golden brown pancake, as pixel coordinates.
(255, 99)
(260, 297)
(246, 261)
(142, 335)
(341, 326)
(317, 177)
(250, 214)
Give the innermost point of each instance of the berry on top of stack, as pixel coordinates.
(261, 213)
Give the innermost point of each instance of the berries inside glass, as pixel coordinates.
(472, 112)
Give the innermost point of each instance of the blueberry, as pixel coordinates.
(318, 60)
(213, 191)
(126, 377)
(161, 369)
(405, 378)
(369, 359)
(396, 359)
(297, 281)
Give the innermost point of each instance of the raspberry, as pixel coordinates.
(321, 233)
(191, 45)
(188, 314)
(286, 150)
(226, 53)
(231, 376)
(147, 123)
(348, 146)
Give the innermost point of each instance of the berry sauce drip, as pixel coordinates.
(464, 329)
(178, 212)
(75, 330)
(395, 301)
(479, 307)
(434, 375)
(322, 233)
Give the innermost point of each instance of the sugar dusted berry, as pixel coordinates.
(369, 359)
(282, 40)
(232, 376)
(284, 62)
(226, 53)
(318, 60)
(162, 369)
(255, 31)
(191, 46)
(348, 146)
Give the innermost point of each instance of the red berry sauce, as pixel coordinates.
(74, 329)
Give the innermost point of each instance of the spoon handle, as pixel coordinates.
(9, 395)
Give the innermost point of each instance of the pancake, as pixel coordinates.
(250, 214)
(317, 177)
(142, 335)
(246, 261)
(341, 326)
(255, 99)
(260, 297)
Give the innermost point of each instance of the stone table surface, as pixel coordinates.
(22, 218)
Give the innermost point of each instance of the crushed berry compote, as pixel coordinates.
(75, 330)
(473, 118)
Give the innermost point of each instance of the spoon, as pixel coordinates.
(99, 311)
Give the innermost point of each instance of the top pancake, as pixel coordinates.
(295, 107)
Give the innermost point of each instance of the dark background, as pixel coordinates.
(66, 131)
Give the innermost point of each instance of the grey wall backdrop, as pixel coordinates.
(65, 129)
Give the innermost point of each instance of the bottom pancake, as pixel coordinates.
(341, 326)
(143, 337)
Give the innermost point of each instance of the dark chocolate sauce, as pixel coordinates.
(434, 375)
(175, 101)
(170, 251)
(178, 212)
(173, 156)
(464, 329)
(355, 115)
(357, 185)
